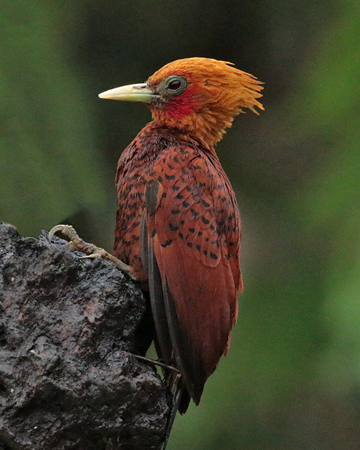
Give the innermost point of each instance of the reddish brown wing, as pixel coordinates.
(191, 248)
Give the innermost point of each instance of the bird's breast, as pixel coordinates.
(198, 206)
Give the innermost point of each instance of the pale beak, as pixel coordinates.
(130, 93)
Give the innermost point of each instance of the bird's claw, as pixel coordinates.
(92, 256)
(91, 251)
(66, 230)
(156, 363)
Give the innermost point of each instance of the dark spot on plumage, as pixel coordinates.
(130, 216)
(170, 177)
(231, 244)
(153, 233)
(205, 221)
(205, 203)
(160, 178)
(170, 166)
(184, 152)
(207, 239)
(185, 204)
(197, 167)
(133, 196)
(166, 243)
(181, 235)
(213, 256)
(135, 237)
(230, 218)
(211, 176)
(175, 211)
(194, 213)
(189, 244)
(184, 171)
(198, 247)
(188, 188)
(215, 242)
(173, 227)
(182, 222)
(202, 185)
(227, 256)
(174, 187)
(176, 159)
(205, 252)
(200, 233)
(212, 227)
(164, 195)
(192, 230)
(179, 196)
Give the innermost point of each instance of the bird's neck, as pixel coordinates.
(205, 128)
(155, 138)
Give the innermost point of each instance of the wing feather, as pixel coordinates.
(155, 283)
(192, 248)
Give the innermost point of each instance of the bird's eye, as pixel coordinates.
(173, 85)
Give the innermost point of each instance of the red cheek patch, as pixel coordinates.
(184, 104)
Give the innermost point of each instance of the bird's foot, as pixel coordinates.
(155, 363)
(90, 250)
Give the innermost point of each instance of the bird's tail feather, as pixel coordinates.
(181, 401)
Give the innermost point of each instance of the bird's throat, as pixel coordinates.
(207, 128)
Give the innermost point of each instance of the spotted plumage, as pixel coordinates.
(178, 223)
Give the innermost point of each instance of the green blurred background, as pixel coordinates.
(292, 377)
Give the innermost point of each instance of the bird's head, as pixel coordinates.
(198, 95)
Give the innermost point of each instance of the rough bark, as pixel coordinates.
(67, 380)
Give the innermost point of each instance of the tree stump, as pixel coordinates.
(68, 327)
